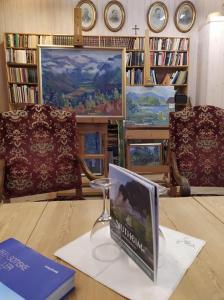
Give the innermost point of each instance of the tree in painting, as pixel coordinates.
(88, 81)
(149, 105)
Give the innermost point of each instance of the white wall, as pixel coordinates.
(56, 16)
(211, 79)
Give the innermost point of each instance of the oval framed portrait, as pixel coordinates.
(114, 15)
(185, 16)
(157, 16)
(88, 14)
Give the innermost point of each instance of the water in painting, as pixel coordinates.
(149, 105)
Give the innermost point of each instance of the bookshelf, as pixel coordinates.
(149, 61)
(21, 66)
(169, 62)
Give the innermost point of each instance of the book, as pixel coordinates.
(134, 217)
(166, 79)
(25, 274)
(182, 77)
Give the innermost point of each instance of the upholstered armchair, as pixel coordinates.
(39, 152)
(196, 148)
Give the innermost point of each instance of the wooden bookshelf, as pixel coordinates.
(150, 60)
(21, 66)
(169, 62)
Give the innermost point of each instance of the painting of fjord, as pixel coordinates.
(149, 105)
(88, 81)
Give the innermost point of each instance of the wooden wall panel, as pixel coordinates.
(56, 16)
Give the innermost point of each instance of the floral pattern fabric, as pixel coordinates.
(39, 145)
(197, 139)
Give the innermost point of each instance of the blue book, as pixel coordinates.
(27, 275)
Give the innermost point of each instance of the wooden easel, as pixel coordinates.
(78, 39)
(88, 125)
(147, 79)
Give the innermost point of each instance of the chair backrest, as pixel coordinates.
(197, 139)
(39, 146)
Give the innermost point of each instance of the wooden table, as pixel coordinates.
(47, 226)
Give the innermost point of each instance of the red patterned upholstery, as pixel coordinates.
(197, 139)
(39, 145)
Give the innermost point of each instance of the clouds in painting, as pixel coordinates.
(86, 80)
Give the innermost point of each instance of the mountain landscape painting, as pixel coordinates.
(149, 105)
(88, 81)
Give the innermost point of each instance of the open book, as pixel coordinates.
(134, 217)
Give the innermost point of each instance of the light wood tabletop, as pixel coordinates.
(47, 226)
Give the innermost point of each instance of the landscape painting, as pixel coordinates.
(92, 143)
(146, 154)
(87, 81)
(149, 105)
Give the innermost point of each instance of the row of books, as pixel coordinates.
(93, 41)
(27, 40)
(21, 56)
(68, 40)
(117, 41)
(134, 76)
(169, 58)
(63, 39)
(23, 94)
(23, 75)
(172, 44)
(178, 78)
(139, 43)
(101, 41)
(135, 58)
(32, 40)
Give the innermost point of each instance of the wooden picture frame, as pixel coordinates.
(147, 154)
(157, 16)
(185, 16)
(149, 105)
(114, 16)
(89, 14)
(90, 81)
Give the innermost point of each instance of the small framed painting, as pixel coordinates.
(185, 16)
(114, 15)
(149, 154)
(157, 16)
(88, 14)
(92, 143)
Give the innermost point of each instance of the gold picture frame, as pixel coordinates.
(185, 16)
(89, 14)
(114, 15)
(56, 62)
(157, 16)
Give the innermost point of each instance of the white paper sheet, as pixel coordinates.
(122, 275)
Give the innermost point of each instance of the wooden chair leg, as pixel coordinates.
(173, 191)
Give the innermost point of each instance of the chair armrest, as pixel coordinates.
(181, 180)
(2, 176)
(85, 169)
